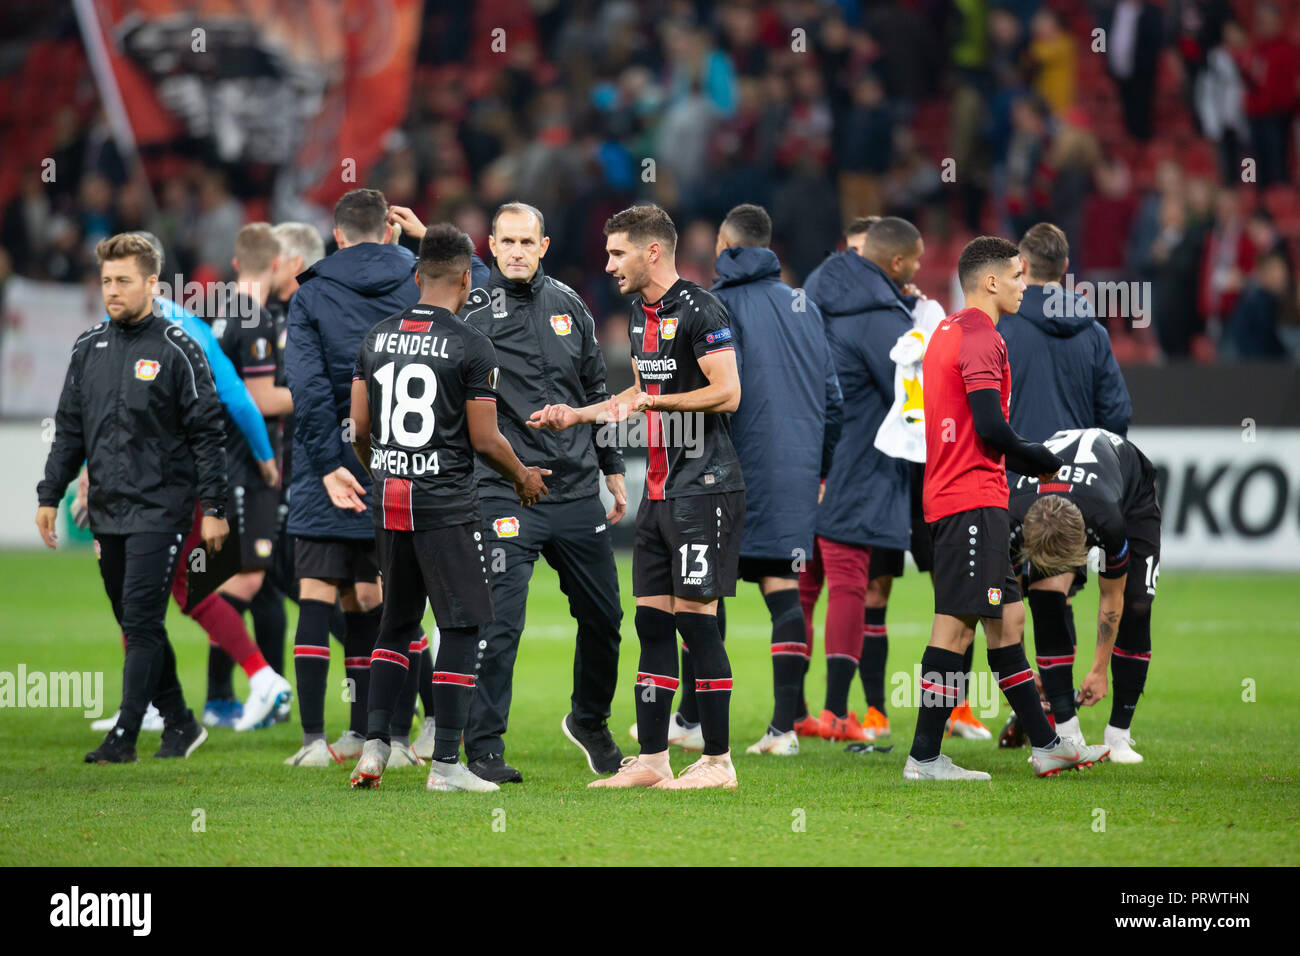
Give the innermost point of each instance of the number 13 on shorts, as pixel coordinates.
(694, 572)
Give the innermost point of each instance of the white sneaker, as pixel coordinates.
(348, 746)
(267, 691)
(423, 746)
(679, 735)
(152, 722)
(779, 745)
(940, 768)
(1069, 730)
(315, 754)
(1121, 745)
(403, 755)
(370, 768)
(456, 776)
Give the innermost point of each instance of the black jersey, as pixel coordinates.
(689, 453)
(246, 333)
(420, 368)
(1111, 481)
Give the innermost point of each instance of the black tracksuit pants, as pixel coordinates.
(137, 570)
(565, 534)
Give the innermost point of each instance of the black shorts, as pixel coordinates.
(922, 541)
(344, 560)
(885, 562)
(688, 547)
(448, 566)
(756, 569)
(1143, 561)
(255, 514)
(972, 563)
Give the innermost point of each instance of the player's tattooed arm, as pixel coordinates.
(494, 449)
(721, 395)
(360, 415)
(1110, 610)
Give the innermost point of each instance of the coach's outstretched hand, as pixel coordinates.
(555, 417)
(344, 490)
(531, 489)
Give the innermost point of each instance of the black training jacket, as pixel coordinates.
(140, 409)
(545, 340)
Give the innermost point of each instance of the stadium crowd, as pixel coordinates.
(818, 111)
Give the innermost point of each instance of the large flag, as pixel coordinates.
(309, 87)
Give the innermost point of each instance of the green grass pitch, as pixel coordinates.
(1218, 785)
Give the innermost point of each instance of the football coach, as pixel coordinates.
(140, 409)
(545, 340)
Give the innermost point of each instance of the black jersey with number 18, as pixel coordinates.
(420, 368)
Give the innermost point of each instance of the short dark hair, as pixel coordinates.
(644, 224)
(519, 207)
(361, 214)
(445, 253)
(130, 245)
(980, 253)
(1046, 250)
(860, 225)
(750, 225)
(256, 246)
(893, 236)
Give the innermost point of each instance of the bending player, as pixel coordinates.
(430, 380)
(1105, 497)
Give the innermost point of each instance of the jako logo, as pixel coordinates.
(103, 909)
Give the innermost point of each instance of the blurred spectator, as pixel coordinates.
(1133, 41)
(1171, 268)
(1219, 95)
(218, 222)
(1229, 256)
(1270, 65)
(1108, 215)
(26, 225)
(1252, 331)
(866, 150)
(1053, 59)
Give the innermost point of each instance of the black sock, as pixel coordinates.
(358, 642)
(269, 624)
(311, 664)
(1069, 622)
(220, 671)
(839, 678)
(940, 674)
(425, 687)
(454, 681)
(967, 665)
(388, 672)
(1011, 670)
(801, 695)
(712, 679)
(788, 650)
(656, 678)
(1129, 661)
(405, 709)
(689, 707)
(1053, 652)
(338, 623)
(875, 652)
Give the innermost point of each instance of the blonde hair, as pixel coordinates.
(130, 245)
(256, 247)
(1055, 539)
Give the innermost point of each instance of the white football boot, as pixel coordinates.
(778, 745)
(940, 768)
(1121, 746)
(267, 691)
(679, 735)
(370, 768)
(403, 755)
(1066, 755)
(423, 745)
(153, 722)
(348, 746)
(456, 776)
(1070, 730)
(315, 754)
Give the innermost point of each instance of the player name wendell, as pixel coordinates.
(414, 343)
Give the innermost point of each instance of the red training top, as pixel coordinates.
(964, 354)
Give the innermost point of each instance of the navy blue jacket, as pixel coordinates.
(790, 413)
(868, 499)
(1063, 372)
(340, 299)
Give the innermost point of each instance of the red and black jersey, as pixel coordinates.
(689, 453)
(420, 368)
(964, 354)
(1108, 478)
(246, 333)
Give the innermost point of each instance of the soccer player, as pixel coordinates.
(1063, 373)
(424, 402)
(545, 340)
(247, 336)
(967, 386)
(688, 528)
(866, 507)
(1104, 496)
(339, 300)
(791, 414)
(139, 407)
